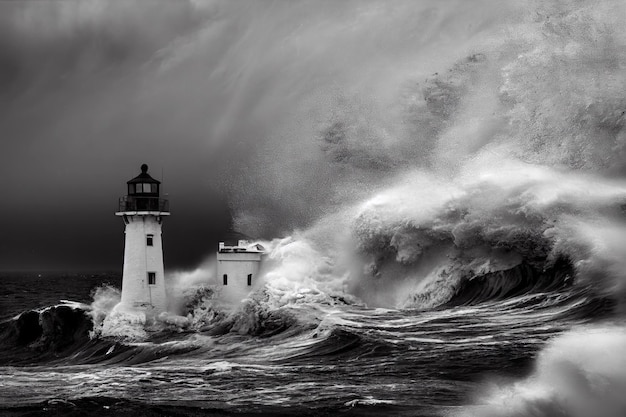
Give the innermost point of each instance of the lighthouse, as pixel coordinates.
(143, 279)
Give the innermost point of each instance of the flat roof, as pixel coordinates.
(242, 247)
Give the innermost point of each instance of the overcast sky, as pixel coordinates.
(229, 103)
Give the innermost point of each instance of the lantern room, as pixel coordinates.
(143, 194)
(143, 185)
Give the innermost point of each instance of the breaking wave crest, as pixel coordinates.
(524, 224)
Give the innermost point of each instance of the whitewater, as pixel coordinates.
(441, 189)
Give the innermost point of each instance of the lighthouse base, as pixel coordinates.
(125, 324)
(138, 308)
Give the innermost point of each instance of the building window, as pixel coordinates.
(152, 278)
(249, 280)
(150, 240)
(225, 279)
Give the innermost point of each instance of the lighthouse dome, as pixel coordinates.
(143, 184)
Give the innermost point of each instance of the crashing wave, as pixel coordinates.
(572, 378)
(440, 241)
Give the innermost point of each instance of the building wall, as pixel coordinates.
(139, 259)
(237, 266)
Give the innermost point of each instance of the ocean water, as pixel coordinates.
(305, 358)
(441, 189)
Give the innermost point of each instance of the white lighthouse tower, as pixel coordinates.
(143, 279)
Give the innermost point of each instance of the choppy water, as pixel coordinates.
(303, 359)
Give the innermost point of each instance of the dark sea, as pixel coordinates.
(314, 359)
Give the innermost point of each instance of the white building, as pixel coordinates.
(238, 269)
(143, 279)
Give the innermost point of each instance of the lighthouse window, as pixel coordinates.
(152, 278)
(144, 188)
(149, 240)
(249, 279)
(154, 188)
(225, 279)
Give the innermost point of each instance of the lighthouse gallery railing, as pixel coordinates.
(129, 203)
